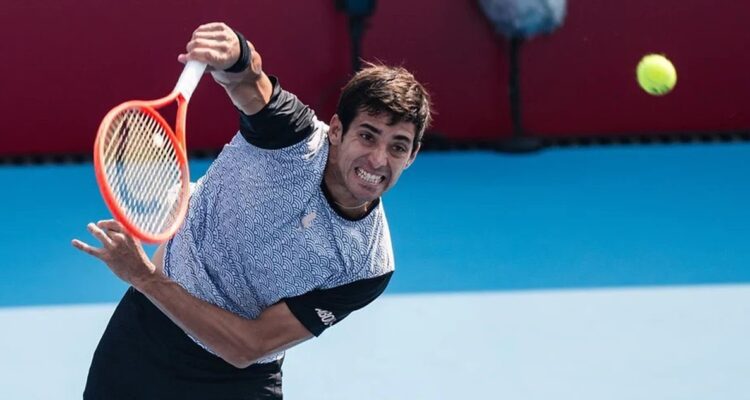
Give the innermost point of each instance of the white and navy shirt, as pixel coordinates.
(261, 229)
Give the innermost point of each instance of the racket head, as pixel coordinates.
(142, 171)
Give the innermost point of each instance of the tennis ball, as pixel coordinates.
(158, 140)
(656, 74)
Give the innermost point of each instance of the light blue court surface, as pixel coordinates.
(594, 273)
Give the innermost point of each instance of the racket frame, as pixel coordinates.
(176, 139)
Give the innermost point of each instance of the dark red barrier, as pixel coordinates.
(73, 61)
(450, 46)
(581, 80)
(67, 63)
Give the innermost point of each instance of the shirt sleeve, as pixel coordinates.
(320, 309)
(283, 122)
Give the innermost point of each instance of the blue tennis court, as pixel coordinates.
(574, 273)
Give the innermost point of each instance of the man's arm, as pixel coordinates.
(237, 340)
(217, 45)
(270, 117)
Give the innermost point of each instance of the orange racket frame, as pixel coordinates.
(181, 94)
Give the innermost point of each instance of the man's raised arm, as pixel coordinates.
(234, 64)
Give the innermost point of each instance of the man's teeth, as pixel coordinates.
(368, 177)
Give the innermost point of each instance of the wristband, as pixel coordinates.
(244, 60)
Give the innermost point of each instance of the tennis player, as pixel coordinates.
(285, 236)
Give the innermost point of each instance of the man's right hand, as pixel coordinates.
(215, 44)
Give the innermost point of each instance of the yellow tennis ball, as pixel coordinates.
(157, 140)
(656, 74)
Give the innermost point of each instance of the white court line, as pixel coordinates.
(644, 343)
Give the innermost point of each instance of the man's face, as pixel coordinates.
(370, 157)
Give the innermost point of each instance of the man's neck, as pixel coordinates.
(339, 199)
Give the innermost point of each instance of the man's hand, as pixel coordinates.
(215, 44)
(237, 340)
(122, 253)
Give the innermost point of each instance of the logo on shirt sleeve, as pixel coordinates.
(326, 317)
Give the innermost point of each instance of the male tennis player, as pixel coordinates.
(285, 236)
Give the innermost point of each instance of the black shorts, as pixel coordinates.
(143, 355)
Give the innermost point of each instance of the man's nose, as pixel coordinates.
(378, 157)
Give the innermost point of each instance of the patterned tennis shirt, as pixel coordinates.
(261, 229)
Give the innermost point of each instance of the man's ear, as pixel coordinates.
(413, 155)
(335, 130)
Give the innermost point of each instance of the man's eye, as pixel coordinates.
(366, 136)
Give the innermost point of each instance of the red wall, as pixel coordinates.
(66, 63)
(581, 80)
(71, 61)
(449, 46)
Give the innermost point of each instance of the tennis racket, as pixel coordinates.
(141, 163)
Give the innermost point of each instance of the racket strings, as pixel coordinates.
(142, 169)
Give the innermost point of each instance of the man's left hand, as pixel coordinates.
(122, 253)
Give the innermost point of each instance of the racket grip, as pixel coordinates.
(189, 78)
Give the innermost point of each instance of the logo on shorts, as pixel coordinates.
(326, 317)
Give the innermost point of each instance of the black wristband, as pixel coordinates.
(244, 60)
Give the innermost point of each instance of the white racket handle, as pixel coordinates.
(189, 78)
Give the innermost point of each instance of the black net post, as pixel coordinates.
(358, 11)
